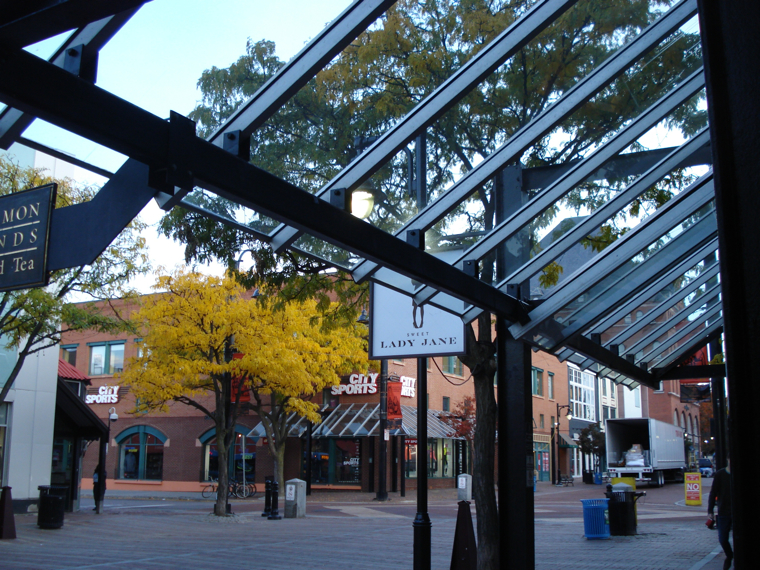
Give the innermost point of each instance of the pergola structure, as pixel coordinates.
(691, 263)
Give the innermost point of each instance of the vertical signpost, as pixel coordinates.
(693, 488)
(400, 328)
(24, 229)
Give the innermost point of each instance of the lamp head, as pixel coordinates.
(112, 415)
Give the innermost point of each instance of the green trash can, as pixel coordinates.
(50, 508)
(596, 522)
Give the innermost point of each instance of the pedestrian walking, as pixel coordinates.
(720, 493)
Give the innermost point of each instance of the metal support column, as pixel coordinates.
(382, 460)
(730, 44)
(422, 525)
(516, 530)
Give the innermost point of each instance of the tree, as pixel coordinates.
(284, 357)
(391, 67)
(33, 319)
(592, 442)
(462, 421)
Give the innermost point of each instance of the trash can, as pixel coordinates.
(596, 523)
(597, 478)
(50, 509)
(622, 505)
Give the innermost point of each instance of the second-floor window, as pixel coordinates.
(538, 382)
(106, 357)
(452, 365)
(582, 394)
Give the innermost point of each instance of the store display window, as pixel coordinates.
(242, 461)
(141, 453)
(440, 457)
(336, 461)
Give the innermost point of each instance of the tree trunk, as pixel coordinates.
(278, 455)
(483, 491)
(220, 507)
(481, 362)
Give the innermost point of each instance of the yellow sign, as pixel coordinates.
(693, 488)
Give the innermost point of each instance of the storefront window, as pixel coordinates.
(141, 453)
(410, 458)
(440, 458)
(242, 461)
(336, 461)
(541, 460)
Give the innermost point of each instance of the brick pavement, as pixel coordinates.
(343, 534)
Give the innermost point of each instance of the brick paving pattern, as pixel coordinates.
(342, 531)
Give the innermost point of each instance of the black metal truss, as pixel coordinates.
(28, 22)
(692, 198)
(434, 105)
(93, 37)
(592, 84)
(579, 173)
(177, 157)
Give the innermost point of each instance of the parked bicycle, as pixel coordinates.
(234, 489)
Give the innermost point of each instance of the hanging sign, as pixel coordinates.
(399, 328)
(24, 228)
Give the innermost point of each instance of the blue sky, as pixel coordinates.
(157, 58)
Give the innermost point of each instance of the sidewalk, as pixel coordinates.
(340, 536)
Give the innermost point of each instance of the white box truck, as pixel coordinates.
(647, 449)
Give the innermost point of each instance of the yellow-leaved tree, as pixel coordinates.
(285, 356)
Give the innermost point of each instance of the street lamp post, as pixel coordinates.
(569, 416)
(99, 490)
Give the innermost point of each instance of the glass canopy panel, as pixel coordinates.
(322, 250)
(591, 125)
(77, 147)
(236, 214)
(667, 303)
(469, 132)
(673, 343)
(645, 344)
(626, 277)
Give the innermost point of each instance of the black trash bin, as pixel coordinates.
(50, 509)
(622, 509)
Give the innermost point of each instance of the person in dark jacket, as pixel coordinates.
(720, 493)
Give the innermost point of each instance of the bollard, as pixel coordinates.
(267, 497)
(275, 514)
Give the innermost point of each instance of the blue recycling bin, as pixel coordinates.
(597, 478)
(596, 522)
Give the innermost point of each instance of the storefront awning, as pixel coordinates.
(361, 420)
(74, 417)
(566, 442)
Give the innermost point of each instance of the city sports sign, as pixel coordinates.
(24, 224)
(399, 328)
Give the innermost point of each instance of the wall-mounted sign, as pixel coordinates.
(24, 224)
(399, 328)
(105, 395)
(408, 387)
(357, 384)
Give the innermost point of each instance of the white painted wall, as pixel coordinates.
(632, 405)
(31, 424)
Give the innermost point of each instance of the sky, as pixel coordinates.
(156, 59)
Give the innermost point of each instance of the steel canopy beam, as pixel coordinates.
(687, 372)
(94, 36)
(173, 150)
(582, 170)
(590, 85)
(25, 23)
(305, 64)
(590, 349)
(434, 105)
